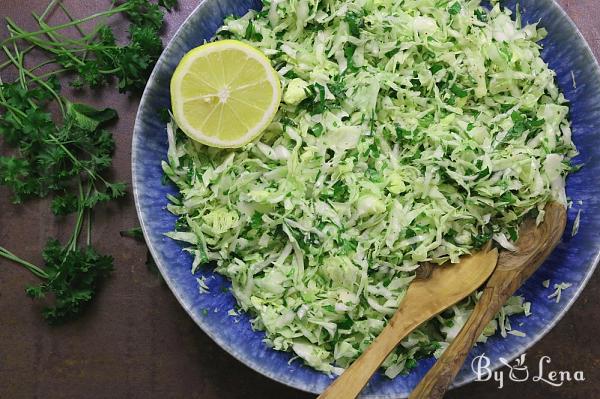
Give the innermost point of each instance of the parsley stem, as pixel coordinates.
(53, 37)
(38, 66)
(110, 71)
(28, 35)
(29, 266)
(92, 175)
(72, 245)
(9, 62)
(52, 73)
(49, 8)
(45, 44)
(37, 80)
(54, 44)
(89, 227)
(94, 33)
(42, 17)
(45, 85)
(14, 109)
(19, 66)
(68, 14)
(85, 38)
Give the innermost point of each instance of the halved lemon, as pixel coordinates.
(224, 94)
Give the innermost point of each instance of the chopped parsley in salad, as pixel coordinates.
(410, 131)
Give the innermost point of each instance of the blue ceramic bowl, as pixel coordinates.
(573, 261)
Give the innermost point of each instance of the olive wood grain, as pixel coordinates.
(445, 286)
(534, 245)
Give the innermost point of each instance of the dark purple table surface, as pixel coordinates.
(137, 342)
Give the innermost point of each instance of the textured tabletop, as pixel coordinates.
(137, 342)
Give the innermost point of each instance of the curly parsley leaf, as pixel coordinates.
(73, 279)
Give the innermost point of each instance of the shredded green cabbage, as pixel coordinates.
(411, 131)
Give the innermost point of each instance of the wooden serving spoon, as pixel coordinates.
(534, 245)
(443, 287)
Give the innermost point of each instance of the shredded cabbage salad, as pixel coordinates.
(410, 131)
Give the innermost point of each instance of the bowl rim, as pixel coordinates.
(251, 362)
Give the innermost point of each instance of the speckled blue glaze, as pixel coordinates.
(573, 261)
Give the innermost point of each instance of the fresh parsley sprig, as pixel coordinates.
(65, 153)
(96, 57)
(71, 273)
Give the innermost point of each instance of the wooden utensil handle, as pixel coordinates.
(441, 375)
(352, 381)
